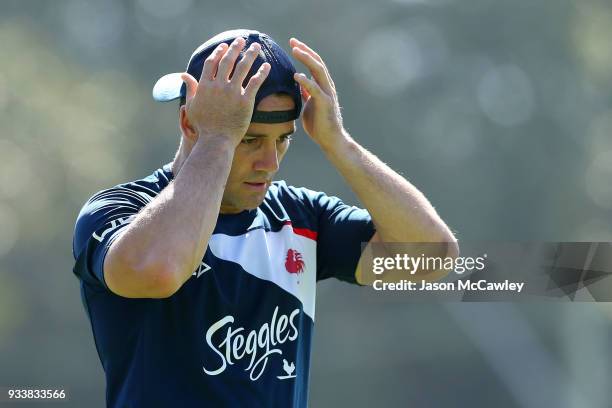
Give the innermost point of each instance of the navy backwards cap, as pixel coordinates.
(279, 79)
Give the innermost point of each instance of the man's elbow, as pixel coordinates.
(162, 279)
(443, 234)
(163, 283)
(443, 244)
(452, 247)
(143, 281)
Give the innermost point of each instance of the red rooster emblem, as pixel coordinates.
(294, 262)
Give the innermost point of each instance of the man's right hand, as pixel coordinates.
(218, 105)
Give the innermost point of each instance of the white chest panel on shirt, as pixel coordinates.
(283, 257)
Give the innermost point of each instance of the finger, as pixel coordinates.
(294, 42)
(316, 68)
(190, 83)
(228, 60)
(210, 64)
(256, 80)
(310, 85)
(244, 66)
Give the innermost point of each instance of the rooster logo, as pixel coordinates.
(289, 369)
(294, 262)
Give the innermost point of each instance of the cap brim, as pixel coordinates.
(168, 87)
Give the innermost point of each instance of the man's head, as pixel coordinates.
(279, 80)
(277, 104)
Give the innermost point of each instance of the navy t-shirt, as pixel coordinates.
(239, 331)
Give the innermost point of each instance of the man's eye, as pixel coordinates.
(286, 138)
(248, 140)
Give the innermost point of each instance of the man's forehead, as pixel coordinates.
(276, 102)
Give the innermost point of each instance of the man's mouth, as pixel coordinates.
(257, 185)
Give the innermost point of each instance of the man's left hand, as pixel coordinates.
(321, 116)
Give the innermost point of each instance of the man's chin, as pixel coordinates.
(244, 198)
(255, 202)
(245, 204)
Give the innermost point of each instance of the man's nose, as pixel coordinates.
(267, 160)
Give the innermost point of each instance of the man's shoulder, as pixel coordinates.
(305, 197)
(296, 202)
(140, 191)
(118, 203)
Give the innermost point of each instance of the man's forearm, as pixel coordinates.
(399, 210)
(401, 213)
(171, 233)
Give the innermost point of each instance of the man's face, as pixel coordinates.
(257, 158)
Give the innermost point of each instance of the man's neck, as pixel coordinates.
(180, 157)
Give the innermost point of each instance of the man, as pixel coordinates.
(199, 280)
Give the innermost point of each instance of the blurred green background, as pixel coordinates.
(499, 111)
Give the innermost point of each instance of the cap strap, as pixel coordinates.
(275, 116)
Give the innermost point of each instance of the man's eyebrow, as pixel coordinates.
(262, 135)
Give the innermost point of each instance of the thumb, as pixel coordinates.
(304, 93)
(190, 83)
(308, 87)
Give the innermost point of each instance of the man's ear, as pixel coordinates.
(188, 130)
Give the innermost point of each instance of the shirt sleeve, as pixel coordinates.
(341, 231)
(99, 223)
